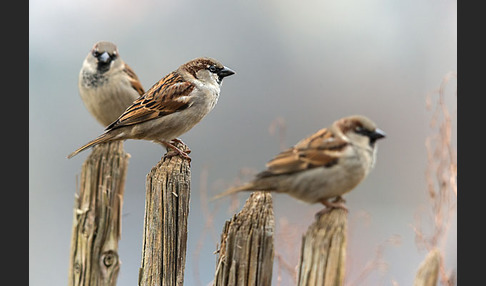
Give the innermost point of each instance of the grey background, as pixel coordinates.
(303, 63)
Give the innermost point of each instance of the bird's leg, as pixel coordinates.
(338, 203)
(177, 150)
(179, 141)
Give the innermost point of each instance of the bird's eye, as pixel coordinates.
(212, 69)
(360, 130)
(96, 54)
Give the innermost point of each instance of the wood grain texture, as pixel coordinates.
(247, 245)
(165, 222)
(96, 228)
(323, 252)
(428, 273)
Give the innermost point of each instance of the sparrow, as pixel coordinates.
(327, 164)
(107, 85)
(171, 107)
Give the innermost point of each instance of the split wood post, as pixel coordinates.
(323, 252)
(165, 222)
(96, 228)
(428, 272)
(246, 252)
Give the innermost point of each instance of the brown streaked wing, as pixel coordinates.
(322, 139)
(134, 80)
(285, 162)
(308, 153)
(162, 99)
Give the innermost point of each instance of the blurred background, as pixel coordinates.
(299, 66)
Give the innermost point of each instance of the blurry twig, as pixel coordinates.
(377, 262)
(282, 264)
(441, 173)
(278, 125)
(286, 254)
(209, 222)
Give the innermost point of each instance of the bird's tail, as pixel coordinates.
(234, 190)
(105, 137)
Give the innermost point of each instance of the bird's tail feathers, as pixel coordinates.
(105, 137)
(234, 190)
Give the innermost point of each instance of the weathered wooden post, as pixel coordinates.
(323, 253)
(97, 217)
(165, 224)
(246, 252)
(428, 273)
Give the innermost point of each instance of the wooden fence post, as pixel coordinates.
(428, 273)
(323, 252)
(165, 222)
(246, 252)
(96, 228)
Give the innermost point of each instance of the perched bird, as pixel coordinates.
(107, 85)
(171, 107)
(327, 164)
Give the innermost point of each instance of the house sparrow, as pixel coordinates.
(171, 107)
(107, 85)
(327, 164)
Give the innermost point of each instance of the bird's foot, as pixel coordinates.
(175, 150)
(178, 141)
(338, 203)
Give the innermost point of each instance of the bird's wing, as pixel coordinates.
(322, 149)
(135, 83)
(167, 96)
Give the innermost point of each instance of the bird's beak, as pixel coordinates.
(377, 134)
(224, 72)
(104, 58)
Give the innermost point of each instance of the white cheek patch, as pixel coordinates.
(91, 68)
(203, 75)
(208, 78)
